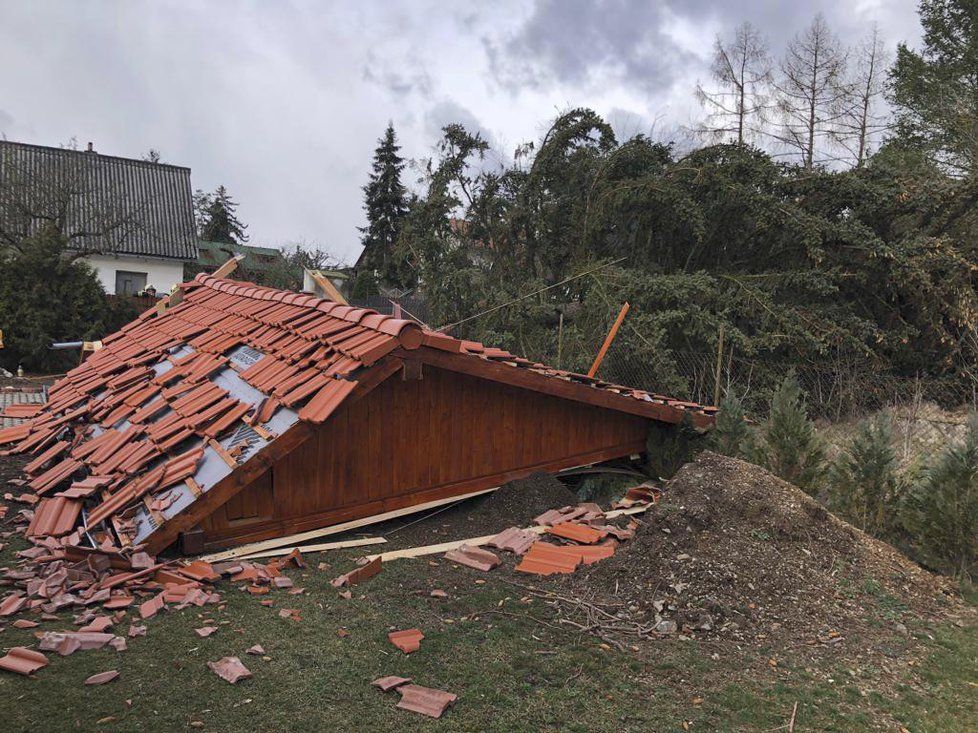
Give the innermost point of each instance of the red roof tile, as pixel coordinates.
(54, 517)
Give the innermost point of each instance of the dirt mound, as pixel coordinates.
(733, 551)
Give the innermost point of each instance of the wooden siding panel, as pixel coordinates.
(411, 437)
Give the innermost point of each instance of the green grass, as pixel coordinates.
(510, 672)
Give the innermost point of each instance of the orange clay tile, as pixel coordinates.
(425, 700)
(546, 559)
(473, 557)
(23, 661)
(577, 532)
(407, 641)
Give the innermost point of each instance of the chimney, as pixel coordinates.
(91, 148)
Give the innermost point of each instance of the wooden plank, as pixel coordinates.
(443, 546)
(322, 547)
(228, 267)
(337, 528)
(328, 288)
(607, 341)
(450, 489)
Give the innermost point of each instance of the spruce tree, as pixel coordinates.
(935, 89)
(942, 511)
(385, 201)
(731, 433)
(788, 445)
(863, 484)
(220, 223)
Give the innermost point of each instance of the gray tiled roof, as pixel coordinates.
(12, 397)
(106, 204)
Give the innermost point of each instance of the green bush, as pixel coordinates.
(862, 482)
(941, 512)
(45, 296)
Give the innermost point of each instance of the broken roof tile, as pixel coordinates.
(473, 557)
(425, 700)
(23, 660)
(102, 677)
(577, 532)
(390, 683)
(230, 669)
(407, 641)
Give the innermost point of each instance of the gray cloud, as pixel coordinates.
(581, 42)
(413, 79)
(6, 120)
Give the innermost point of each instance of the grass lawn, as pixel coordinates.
(486, 643)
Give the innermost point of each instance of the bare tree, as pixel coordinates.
(38, 190)
(741, 70)
(865, 117)
(812, 92)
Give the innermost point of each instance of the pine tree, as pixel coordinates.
(863, 484)
(731, 433)
(220, 223)
(935, 89)
(788, 445)
(385, 201)
(942, 511)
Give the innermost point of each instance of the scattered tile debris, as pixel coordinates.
(424, 700)
(473, 557)
(230, 669)
(577, 532)
(544, 558)
(514, 540)
(23, 660)
(358, 575)
(407, 641)
(256, 650)
(205, 631)
(390, 683)
(102, 677)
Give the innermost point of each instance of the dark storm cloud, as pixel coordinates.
(581, 42)
(589, 43)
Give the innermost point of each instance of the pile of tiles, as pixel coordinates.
(103, 588)
(582, 533)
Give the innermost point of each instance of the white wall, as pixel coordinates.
(161, 274)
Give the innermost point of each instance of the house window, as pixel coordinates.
(129, 283)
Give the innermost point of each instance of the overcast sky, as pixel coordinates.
(282, 102)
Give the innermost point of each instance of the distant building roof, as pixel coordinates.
(257, 259)
(103, 203)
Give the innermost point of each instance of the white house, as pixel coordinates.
(134, 219)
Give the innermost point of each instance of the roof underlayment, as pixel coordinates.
(183, 396)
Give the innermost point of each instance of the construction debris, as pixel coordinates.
(230, 669)
(23, 661)
(424, 700)
(102, 677)
(407, 641)
(358, 575)
(473, 557)
(390, 683)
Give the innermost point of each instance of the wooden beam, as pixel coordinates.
(322, 547)
(328, 288)
(228, 267)
(529, 379)
(295, 539)
(607, 340)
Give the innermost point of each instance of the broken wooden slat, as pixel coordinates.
(295, 539)
(316, 548)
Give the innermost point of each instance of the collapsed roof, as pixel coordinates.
(185, 396)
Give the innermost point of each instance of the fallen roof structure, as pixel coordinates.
(235, 413)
